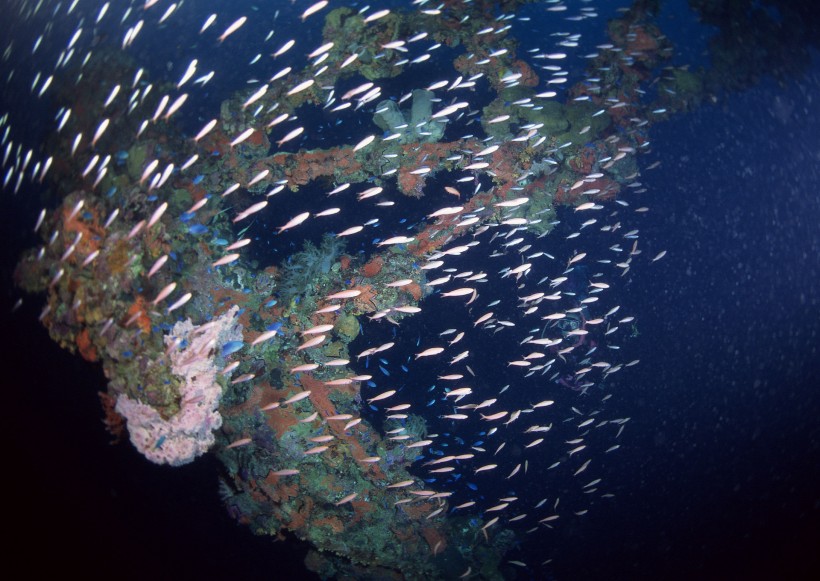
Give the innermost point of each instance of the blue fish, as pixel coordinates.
(197, 229)
(472, 486)
(220, 242)
(383, 370)
(270, 303)
(198, 179)
(404, 368)
(231, 347)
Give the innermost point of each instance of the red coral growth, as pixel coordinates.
(427, 240)
(635, 38)
(332, 522)
(284, 487)
(364, 302)
(114, 422)
(609, 188)
(360, 509)
(303, 167)
(434, 538)
(345, 261)
(433, 154)
(417, 510)
(142, 321)
(90, 229)
(299, 518)
(529, 78)
(414, 289)
(373, 267)
(319, 397)
(410, 184)
(584, 161)
(280, 420)
(87, 349)
(508, 163)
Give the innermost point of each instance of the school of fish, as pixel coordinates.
(524, 340)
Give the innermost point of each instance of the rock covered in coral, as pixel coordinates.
(189, 433)
(415, 125)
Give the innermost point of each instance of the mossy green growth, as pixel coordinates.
(136, 161)
(687, 86)
(179, 201)
(579, 116)
(348, 327)
(551, 113)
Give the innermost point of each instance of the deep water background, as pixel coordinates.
(718, 475)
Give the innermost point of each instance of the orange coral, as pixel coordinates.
(373, 267)
(332, 522)
(303, 167)
(299, 519)
(434, 538)
(279, 420)
(319, 397)
(528, 76)
(114, 422)
(90, 230)
(87, 349)
(142, 321)
(427, 241)
(414, 289)
(364, 302)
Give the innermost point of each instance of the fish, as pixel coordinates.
(285, 472)
(376, 15)
(364, 142)
(293, 222)
(290, 136)
(485, 468)
(242, 136)
(253, 209)
(182, 300)
(227, 259)
(301, 87)
(347, 294)
(317, 340)
(205, 129)
(236, 25)
(460, 292)
(238, 443)
(167, 290)
(396, 240)
(430, 352)
(382, 396)
(265, 336)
